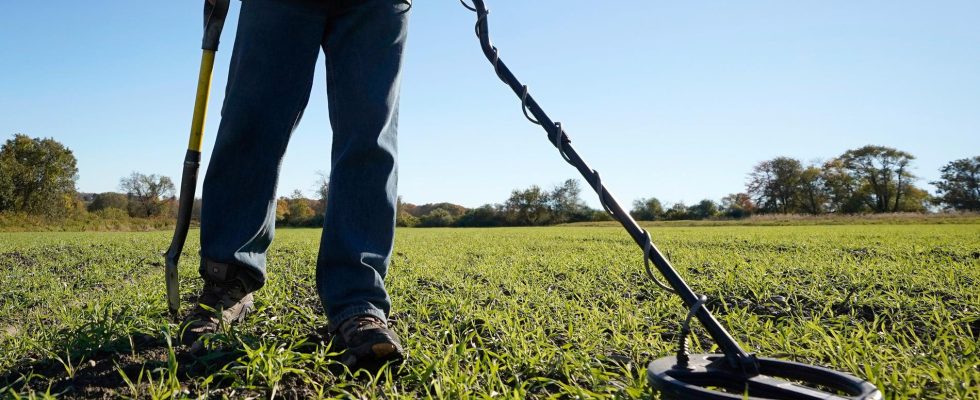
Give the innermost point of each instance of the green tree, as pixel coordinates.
(437, 218)
(485, 215)
(528, 207)
(703, 210)
(149, 195)
(885, 174)
(565, 203)
(676, 212)
(774, 185)
(454, 210)
(300, 212)
(37, 176)
(599, 215)
(647, 209)
(406, 220)
(844, 192)
(958, 186)
(404, 217)
(737, 205)
(915, 200)
(812, 195)
(108, 200)
(322, 192)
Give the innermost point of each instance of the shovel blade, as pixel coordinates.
(173, 287)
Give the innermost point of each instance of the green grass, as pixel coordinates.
(513, 313)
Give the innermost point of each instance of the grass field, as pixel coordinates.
(514, 313)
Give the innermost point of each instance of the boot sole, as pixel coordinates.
(372, 357)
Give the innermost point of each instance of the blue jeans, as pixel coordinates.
(269, 84)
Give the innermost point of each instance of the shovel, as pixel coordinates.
(215, 12)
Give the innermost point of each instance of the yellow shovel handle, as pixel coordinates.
(201, 102)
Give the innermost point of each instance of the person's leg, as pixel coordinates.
(269, 83)
(363, 46)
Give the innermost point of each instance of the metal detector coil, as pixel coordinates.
(735, 374)
(708, 376)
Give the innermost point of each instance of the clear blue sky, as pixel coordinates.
(676, 100)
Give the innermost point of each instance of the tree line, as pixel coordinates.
(532, 206)
(297, 210)
(870, 179)
(38, 177)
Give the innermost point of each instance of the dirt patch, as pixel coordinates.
(10, 330)
(860, 312)
(862, 253)
(99, 376)
(941, 254)
(773, 307)
(16, 259)
(430, 284)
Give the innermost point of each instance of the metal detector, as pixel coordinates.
(734, 374)
(214, 20)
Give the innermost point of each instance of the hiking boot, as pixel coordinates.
(223, 299)
(367, 343)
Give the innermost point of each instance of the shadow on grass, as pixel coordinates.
(102, 363)
(119, 367)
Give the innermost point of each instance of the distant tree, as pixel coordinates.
(737, 205)
(7, 196)
(958, 187)
(528, 207)
(812, 195)
(77, 205)
(565, 203)
(107, 200)
(437, 218)
(703, 210)
(676, 212)
(282, 209)
(484, 216)
(647, 209)
(322, 192)
(885, 172)
(195, 209)
(409, 208)
(844, 192)
(599, 215)
(419, 211)
(915, 200)
(37, 176)
(404, 218)
(148, 194)
(170, 206)
(300, 212)
(774, 184)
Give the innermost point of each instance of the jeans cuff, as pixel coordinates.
(337, 319)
